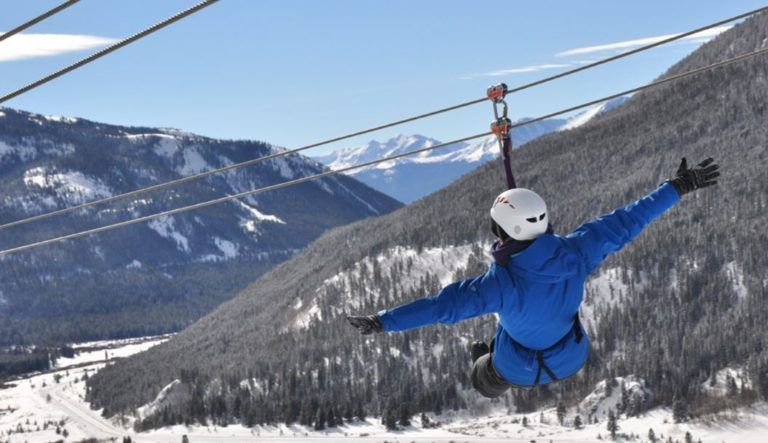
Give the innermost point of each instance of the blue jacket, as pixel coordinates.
(537, 293)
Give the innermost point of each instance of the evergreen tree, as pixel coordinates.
(390, 419)
(651, 436)
(561, 411)
(405, 415)
(360, 411)
(679, 410)
(577, 422)
(320, 420)
(731, 387)
(306, 414)
(613, 426)
(348, 414)
(688, 437)
(624, 404)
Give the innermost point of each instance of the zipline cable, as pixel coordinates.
(37, 19)
(381, 160)
(108, 50)
(364, 131)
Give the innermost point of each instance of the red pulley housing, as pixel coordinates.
(501, 127)
(496, 93)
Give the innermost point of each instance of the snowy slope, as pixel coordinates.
(410, 178)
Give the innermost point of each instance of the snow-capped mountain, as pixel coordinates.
(410, 178)
(155, 276)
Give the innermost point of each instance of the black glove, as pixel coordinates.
(688, 180)
(367, 324)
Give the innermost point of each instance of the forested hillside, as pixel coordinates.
(683, 301)
(157, 276)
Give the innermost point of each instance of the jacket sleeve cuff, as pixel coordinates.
(385, 320)
(669, 192)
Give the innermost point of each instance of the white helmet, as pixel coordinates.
(521, 213)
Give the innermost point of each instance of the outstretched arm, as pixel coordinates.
(455, 302)
(609, 233)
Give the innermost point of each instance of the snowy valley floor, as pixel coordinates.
(32, 408)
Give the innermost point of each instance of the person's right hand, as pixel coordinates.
(367, 324)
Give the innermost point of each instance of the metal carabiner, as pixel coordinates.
(496, 95)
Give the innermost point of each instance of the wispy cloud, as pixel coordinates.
(599, 51)
(25, 46)
(519, 70)
(631, 44)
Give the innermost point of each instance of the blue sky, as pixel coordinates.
(292, 72)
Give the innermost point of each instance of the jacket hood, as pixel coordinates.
(548, 260)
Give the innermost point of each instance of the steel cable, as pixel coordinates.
(381, 160)
(36, 20)
(108, 50)
(361, 132)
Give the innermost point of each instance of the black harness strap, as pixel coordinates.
(578, 336)
(543, 365)
(577, 332)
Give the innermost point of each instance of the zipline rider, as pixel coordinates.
(536, 285)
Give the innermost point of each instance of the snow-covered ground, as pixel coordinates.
(32, 409)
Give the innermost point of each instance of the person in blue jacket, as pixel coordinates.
(535, 284)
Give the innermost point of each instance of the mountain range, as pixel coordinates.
(672, 310)
(157, 276)
(410, 178)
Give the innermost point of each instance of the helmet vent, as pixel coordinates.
(541, 217)
(531, 219)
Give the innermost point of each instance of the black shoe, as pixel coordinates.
(479, 349)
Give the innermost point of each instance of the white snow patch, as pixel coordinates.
(583, 118)
(258, 215)
(229, 251)
(25, 152)
(313, 313)
(607, 396)
(60, 119)
(605, 289)
(727, 381)
(228, 248)
(166, 146)
(71, 186)
(135, 264)
(172, 394)
(281, 166)
(194, 163)
(166, 227)
(736, 276)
